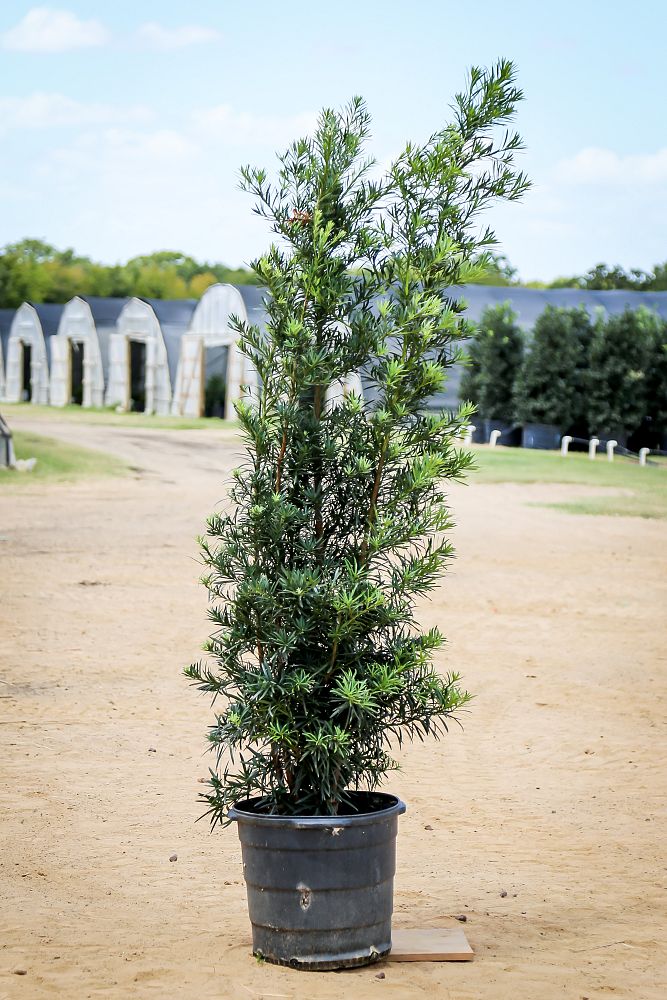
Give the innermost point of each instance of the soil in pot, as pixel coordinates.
(320, 888)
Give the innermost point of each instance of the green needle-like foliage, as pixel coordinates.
(338, 521)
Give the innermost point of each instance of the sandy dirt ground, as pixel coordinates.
(542, 822)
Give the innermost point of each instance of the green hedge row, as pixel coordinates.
(606, 376)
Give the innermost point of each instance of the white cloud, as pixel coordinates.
(604, 166)
(119, 158)
(596, 205)
(242, 128)
(129, 191)
(158, 36)
(49, 110)
(45, 29)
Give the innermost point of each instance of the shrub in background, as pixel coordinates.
(619, 359)
(495, 354)
(654, 428)
(550, 382)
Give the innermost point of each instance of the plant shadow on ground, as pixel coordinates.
(631, 490)
(57, 462)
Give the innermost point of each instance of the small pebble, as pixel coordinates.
(503, 894)
(427, 827)
(380, 975)
(20, 972)
(462, 917)
(173, 857)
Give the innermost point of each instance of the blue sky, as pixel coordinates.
(122, 126)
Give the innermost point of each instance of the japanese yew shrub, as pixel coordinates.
(338, 520)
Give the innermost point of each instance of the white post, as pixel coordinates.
(610, 450)
(565, 443)
(643, 452)
(493, 438)
(592, 446)
(470, 430)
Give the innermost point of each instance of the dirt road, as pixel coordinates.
(553, 794)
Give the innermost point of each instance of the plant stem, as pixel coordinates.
(372, 512)
(281, 458)
(317, 478)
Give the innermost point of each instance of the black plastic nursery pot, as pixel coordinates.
(510, 434)
(479, 435)
(544, 436)
(617, 434)
(321, 888)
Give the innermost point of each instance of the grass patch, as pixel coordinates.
(644, 488)
(108, 416)
(57, 462)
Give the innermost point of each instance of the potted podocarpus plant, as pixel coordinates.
(338, 518)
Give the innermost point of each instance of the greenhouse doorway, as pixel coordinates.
(137, 376)
(215, 381)
(26, 373)
(76, 353)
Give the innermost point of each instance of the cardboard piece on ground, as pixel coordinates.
(430, 944)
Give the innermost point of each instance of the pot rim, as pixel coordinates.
(394, 807)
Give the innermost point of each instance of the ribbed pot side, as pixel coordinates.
(320, 888)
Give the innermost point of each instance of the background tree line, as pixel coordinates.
(602, 277)
(34, 271)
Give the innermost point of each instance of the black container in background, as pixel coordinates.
(510, 434)
(479, 433)
(619, 435)
(544, 436)
(320, 888)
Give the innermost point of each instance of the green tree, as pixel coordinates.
(656, 382)
(22, 274)
(603, 278)
(658, 281)
(338, 518)
(495, 359)
(619, 359)
(549, 386)
(495, 269)
(35, 271)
